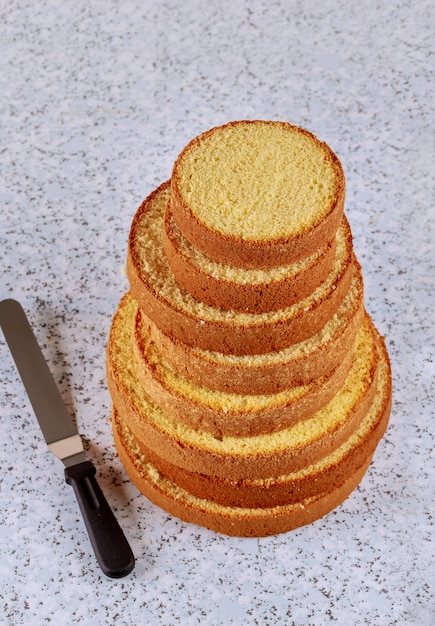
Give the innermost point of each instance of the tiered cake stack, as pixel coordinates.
(250, 388)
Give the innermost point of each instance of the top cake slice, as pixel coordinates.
(257, 194)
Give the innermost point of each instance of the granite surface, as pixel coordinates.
(96, 101)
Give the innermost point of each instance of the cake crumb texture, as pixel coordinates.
(250, 387)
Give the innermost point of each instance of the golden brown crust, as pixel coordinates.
(248, 297)
(260, 377)
(222, 420)
(259, 333)
(233, 467)
(293, 487)
(229, 338)
(234, 521)
(256, 254)
(164, 436)
(280, 442)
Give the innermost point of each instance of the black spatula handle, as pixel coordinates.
(110, 545)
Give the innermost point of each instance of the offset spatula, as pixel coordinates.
(110, 545)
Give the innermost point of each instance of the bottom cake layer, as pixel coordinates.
(329, 472)
(235, 521)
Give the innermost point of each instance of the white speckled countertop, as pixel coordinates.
(96, 100)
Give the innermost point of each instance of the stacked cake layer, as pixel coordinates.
(250, 387)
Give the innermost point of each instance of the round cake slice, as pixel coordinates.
(234, 521)
(251, 291)
(178, 314)
(257, 194)
(288, 488)
(272, 372)
(222, 413)
(259, 456)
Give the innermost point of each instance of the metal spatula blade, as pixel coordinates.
(110, 545)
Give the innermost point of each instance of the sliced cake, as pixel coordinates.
(234, 457)
(178, 314)
(251, 291)
(250, 387)
(272, 372)
(257, 193)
